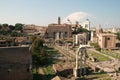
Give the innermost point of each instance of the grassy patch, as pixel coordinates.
(110, 53)
(99, 76)
(48, 70)
(98, 56)
(34, 71)
(75, 48)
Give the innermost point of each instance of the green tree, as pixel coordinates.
(18, 26)
(32, 38)
(5, 27)
(40, 58)
(79, 30)
(39, 53)
(43, 54)
(35, 60)
(118, 35)
(16, 34)
(0, 26)
(36, 45)
(96, 46)
(11, 27)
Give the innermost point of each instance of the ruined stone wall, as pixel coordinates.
(15, 63)
(61, 28)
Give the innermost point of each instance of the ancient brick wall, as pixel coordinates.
(63, 28)
(15, 63)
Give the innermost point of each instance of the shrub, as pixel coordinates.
(96, 46)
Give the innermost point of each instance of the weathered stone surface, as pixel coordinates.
(15, 63)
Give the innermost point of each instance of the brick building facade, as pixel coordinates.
(59, 31)
(107, 41)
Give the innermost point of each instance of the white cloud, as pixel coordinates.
(76, 16)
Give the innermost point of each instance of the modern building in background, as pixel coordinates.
(86, 24)
(112, 30)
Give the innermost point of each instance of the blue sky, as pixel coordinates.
(44, 12)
